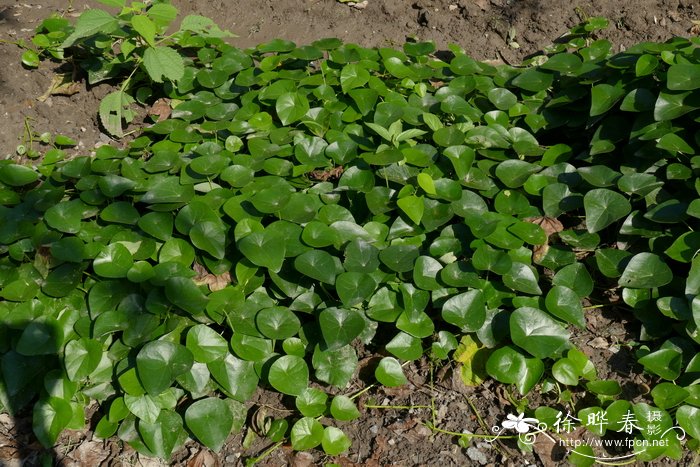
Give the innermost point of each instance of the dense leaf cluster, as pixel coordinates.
(302, 199)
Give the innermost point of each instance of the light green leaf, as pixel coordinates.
(145, 27)
(163, 62)
(89, 23)
(210, 420)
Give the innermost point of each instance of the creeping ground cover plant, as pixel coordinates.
(294, 203)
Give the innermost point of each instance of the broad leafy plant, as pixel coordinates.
(301, 200)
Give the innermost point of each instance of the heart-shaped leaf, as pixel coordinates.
(237, 378)
(533, 330)
(289, 375)
(158, 364)
(646, 270)
(565, 304)
(211, 421)
(466, 311)
(307, 433)
(334, 441)
(343, 408)
(317, 264)
(263, 249)
(164, 435)
(509, 366)
(206, 344)
(389, 372)
(340, 326)
(604, 207)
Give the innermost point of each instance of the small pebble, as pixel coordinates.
(476, 455)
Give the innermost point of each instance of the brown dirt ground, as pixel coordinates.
(381, 436)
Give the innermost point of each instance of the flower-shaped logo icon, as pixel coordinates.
(519, 423)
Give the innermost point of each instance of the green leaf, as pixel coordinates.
(145, 27)
(389, 372)
(534, 331)
(533, 80)
(340, 326)
(237, 378)
(115, 107)
(685, 247)
(185, 294)
(604, 97)
(413, 207)
(514, 173)
(502, 98)
(522, 278)
(162, 436)
(565, 304)
(334, 441)
(353, 288)
(335, 367)
(17, 175)
(158, 364)
(289, 375)
(604, 207)
(316, 264)
(563, 63)
(263, 249)
(683, 77)
(510, 366)
(646, 64)
(604, 387)
(675, 144)
(81, 358)
(277, 322)
(466, 311)
(210, 237)
(576, 277)
(50, 417)
(89, 23)
(565, 372)
(689, 419)
(311, 402)
(307, 433)
(210, 420)
(645, 270)
(121, 212)
(163, 62)
(353, 76)
(206, 344)
(30, 59)
(344, 409)
(65, 216)
(664, 362)
(113, 261)
(668, 395)
(291, 107)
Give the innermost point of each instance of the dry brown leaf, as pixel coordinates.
(325, 175)
(161, 109)
(90, 453)
(203, 458)
(302, 459)
(550, 225)
(62, 84)
(214, 282)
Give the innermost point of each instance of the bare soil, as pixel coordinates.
(396, 434)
